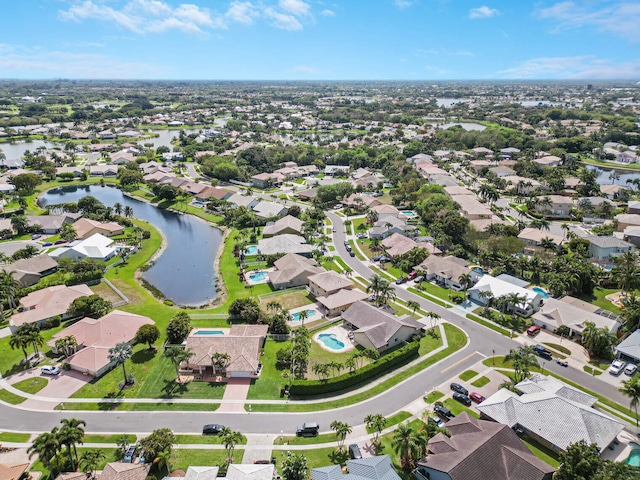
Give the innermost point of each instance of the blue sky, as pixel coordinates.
(320, 39)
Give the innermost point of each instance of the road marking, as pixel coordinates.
(459, 362)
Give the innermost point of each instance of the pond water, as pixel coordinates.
(166, 135)
(448, 102)
(184, 272)
(603, 176)
(465, 126)
(15, 151)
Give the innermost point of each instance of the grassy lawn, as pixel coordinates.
(14, 437)
(10, 397)
(203, 440)
(10, 359)
(111, 455)
(592, 371)
(456, 339)
(457, 408)
(95, 438)
(481, 382)
(393, 420)
(271, 380)
(557, 347)
(183, 458)
(318, 457)
(433, 397)
(543, 453)
(428, 297)
(488, 324)
(295, 440)
(598, 298)
(289, 299)
(386, 447)
(31, 385)
(468, 375)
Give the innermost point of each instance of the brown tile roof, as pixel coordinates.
(482, 447)
(243, 344)
(124, 471)
(84, 227)
(48, 302)
(342, 298)
(330, 281)
(12, 471)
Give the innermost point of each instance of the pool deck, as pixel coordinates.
(621, 452)
(312, 306)
(341, 334)
(252, 282)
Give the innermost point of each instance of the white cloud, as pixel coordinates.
(328, 13)
(577, 67)
(402, 4)
(621, 18)
(281, 20)
(483, 12)
(243, 12)
(142, 16)
(295, 7)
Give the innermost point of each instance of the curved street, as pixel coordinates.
(482, 342)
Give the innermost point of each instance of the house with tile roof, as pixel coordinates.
(446, 271)
(286, 224)
(376, 328)
(501, 288)
(86, 227)
(267, 209)
(370, 468)
(339, 301)
(328, 283)
(13, 471)
(29, 271)
(607, 247)
(293, 270)
(480, 448)
(96, 336)
(285, 243)
(96, 247)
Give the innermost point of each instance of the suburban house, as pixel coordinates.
(523, 185)
(242, 343)
(293, 270)
(379, 329)
(544, 398)
(29, 271)
(266, 209)
(548, 161)
(572, 313)
(629, 348)
(96, 247)
(390, 224)
(113, 471)
(478, 165)
(103, 170)
(266, 180)
(489, 449)
(336, 303)
(606, 247)
(560, 206)
(15, 471)
(244, 471)
(533, 237)
(500, 288)
(385, 209)
(96, 337)
(328, 283)
(198, 473)
(286, 243)
(308, 195)
(502, 171)
(471, 208)
(85, 227)
(446, 271)
(632, 235)
(75, 171)
(246, 201)
(51, 224)
(288, 224)
(627, 220)
(44, 304)
(213, 192)
(370, 468)
(336, 170)
(397, 245)
(360, 201)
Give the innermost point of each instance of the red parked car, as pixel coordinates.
(476, 397)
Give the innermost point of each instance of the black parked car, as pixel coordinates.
(443, 412)
(456, 387)
(462, 398)
(354, 452)
(212, 429)
(401, 280)
(542, 352)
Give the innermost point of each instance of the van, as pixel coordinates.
(533, 330)
(354, 452)
(308, 429)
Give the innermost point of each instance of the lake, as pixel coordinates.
(184, 272)
(603, 175)
(15, 151)
(465, 126)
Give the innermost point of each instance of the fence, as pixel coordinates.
(124, 300)
(209, 316)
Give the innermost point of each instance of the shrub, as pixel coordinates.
(351, 379)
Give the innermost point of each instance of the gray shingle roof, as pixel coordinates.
(630, 346)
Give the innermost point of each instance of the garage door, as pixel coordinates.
(239, 374)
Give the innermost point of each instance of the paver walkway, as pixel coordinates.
(236, 389)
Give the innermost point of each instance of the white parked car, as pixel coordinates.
(631, 369)
(49, 370)
(617, 367)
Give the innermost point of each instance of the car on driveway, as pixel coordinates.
(212, 429)
(401, 280)
(459, 397)
(630, 369)
(533, 330)
(476, 397)
(354, 452)
(437, 420)
(412, 275)
(456, 387)
(47, 244)
(377, 258)
(50, 370)
(443, 412)
(617, 367)
(418, 279)
(361, 235)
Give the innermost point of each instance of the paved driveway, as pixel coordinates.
(9, 248)
(236, 389)
(59, 387)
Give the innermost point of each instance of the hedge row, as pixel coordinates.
(387, 362)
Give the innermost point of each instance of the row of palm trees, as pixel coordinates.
(27, 335)
(381, 289)
(322, 370)
(50, 445)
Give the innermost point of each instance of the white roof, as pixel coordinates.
(558, 420)
(500, 288)
(250, 471)
(96, 246)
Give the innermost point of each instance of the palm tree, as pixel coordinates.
(9, 288)
(274, 306)
(487, 297)
(413, 305)
(342, 429)
(177, 355)
(128, 211)
(20, 340)
(72, 433)
(523, 359)
(386, 293)
(163, 460)
(372, 217)
(36, 339)
(433, 317)
(376, 281)
(627, 271)
(302, 316)
(219, 361)
(406, 444)
(376, 423)
(540, 224)
(230, 439)
(67, 345)
(466, 281)
(46, 446)
(90, 461)
(295, 467)
(119, 355)
(117, 208)
(631, 388)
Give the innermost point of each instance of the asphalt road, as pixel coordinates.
(481, 339)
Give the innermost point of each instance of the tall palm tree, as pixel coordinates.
(163, 460)
(128, 211)
(386, 293)
(274, 306)
(67, 345)
(376, 423)
(413, 305)
(631, 388)
(375, 283)
(523, 359)
(177, 355)
(230, 439)
(342, 429)
(119, 355)
(36, 339)
(219, 360)
(72, 433)
(466, 281)
(20, 340)
(9, 288)
(90, 461)
(407, 445)
(302, 316)
(46, 446)
(117, 208)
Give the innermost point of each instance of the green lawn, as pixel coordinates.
(10, 397)
(428, 297)
(95, 438)
(271, 380)
(558, 347)
(393, 420)
(598, 298)
(183, 458)
(433, 396)
(468, 375)
(31, 385)
(318, 457)
(543, 453)
(481, 382)
(289, 299)
(457, 408)
(203, 440)
(295, 440)
(14, 437)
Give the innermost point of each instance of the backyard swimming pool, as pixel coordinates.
(409, 213)
(257, 276)
(330, 341)
(296, 316)
(543, 293)
(251, 250)
(208, 332)
(634, 456)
